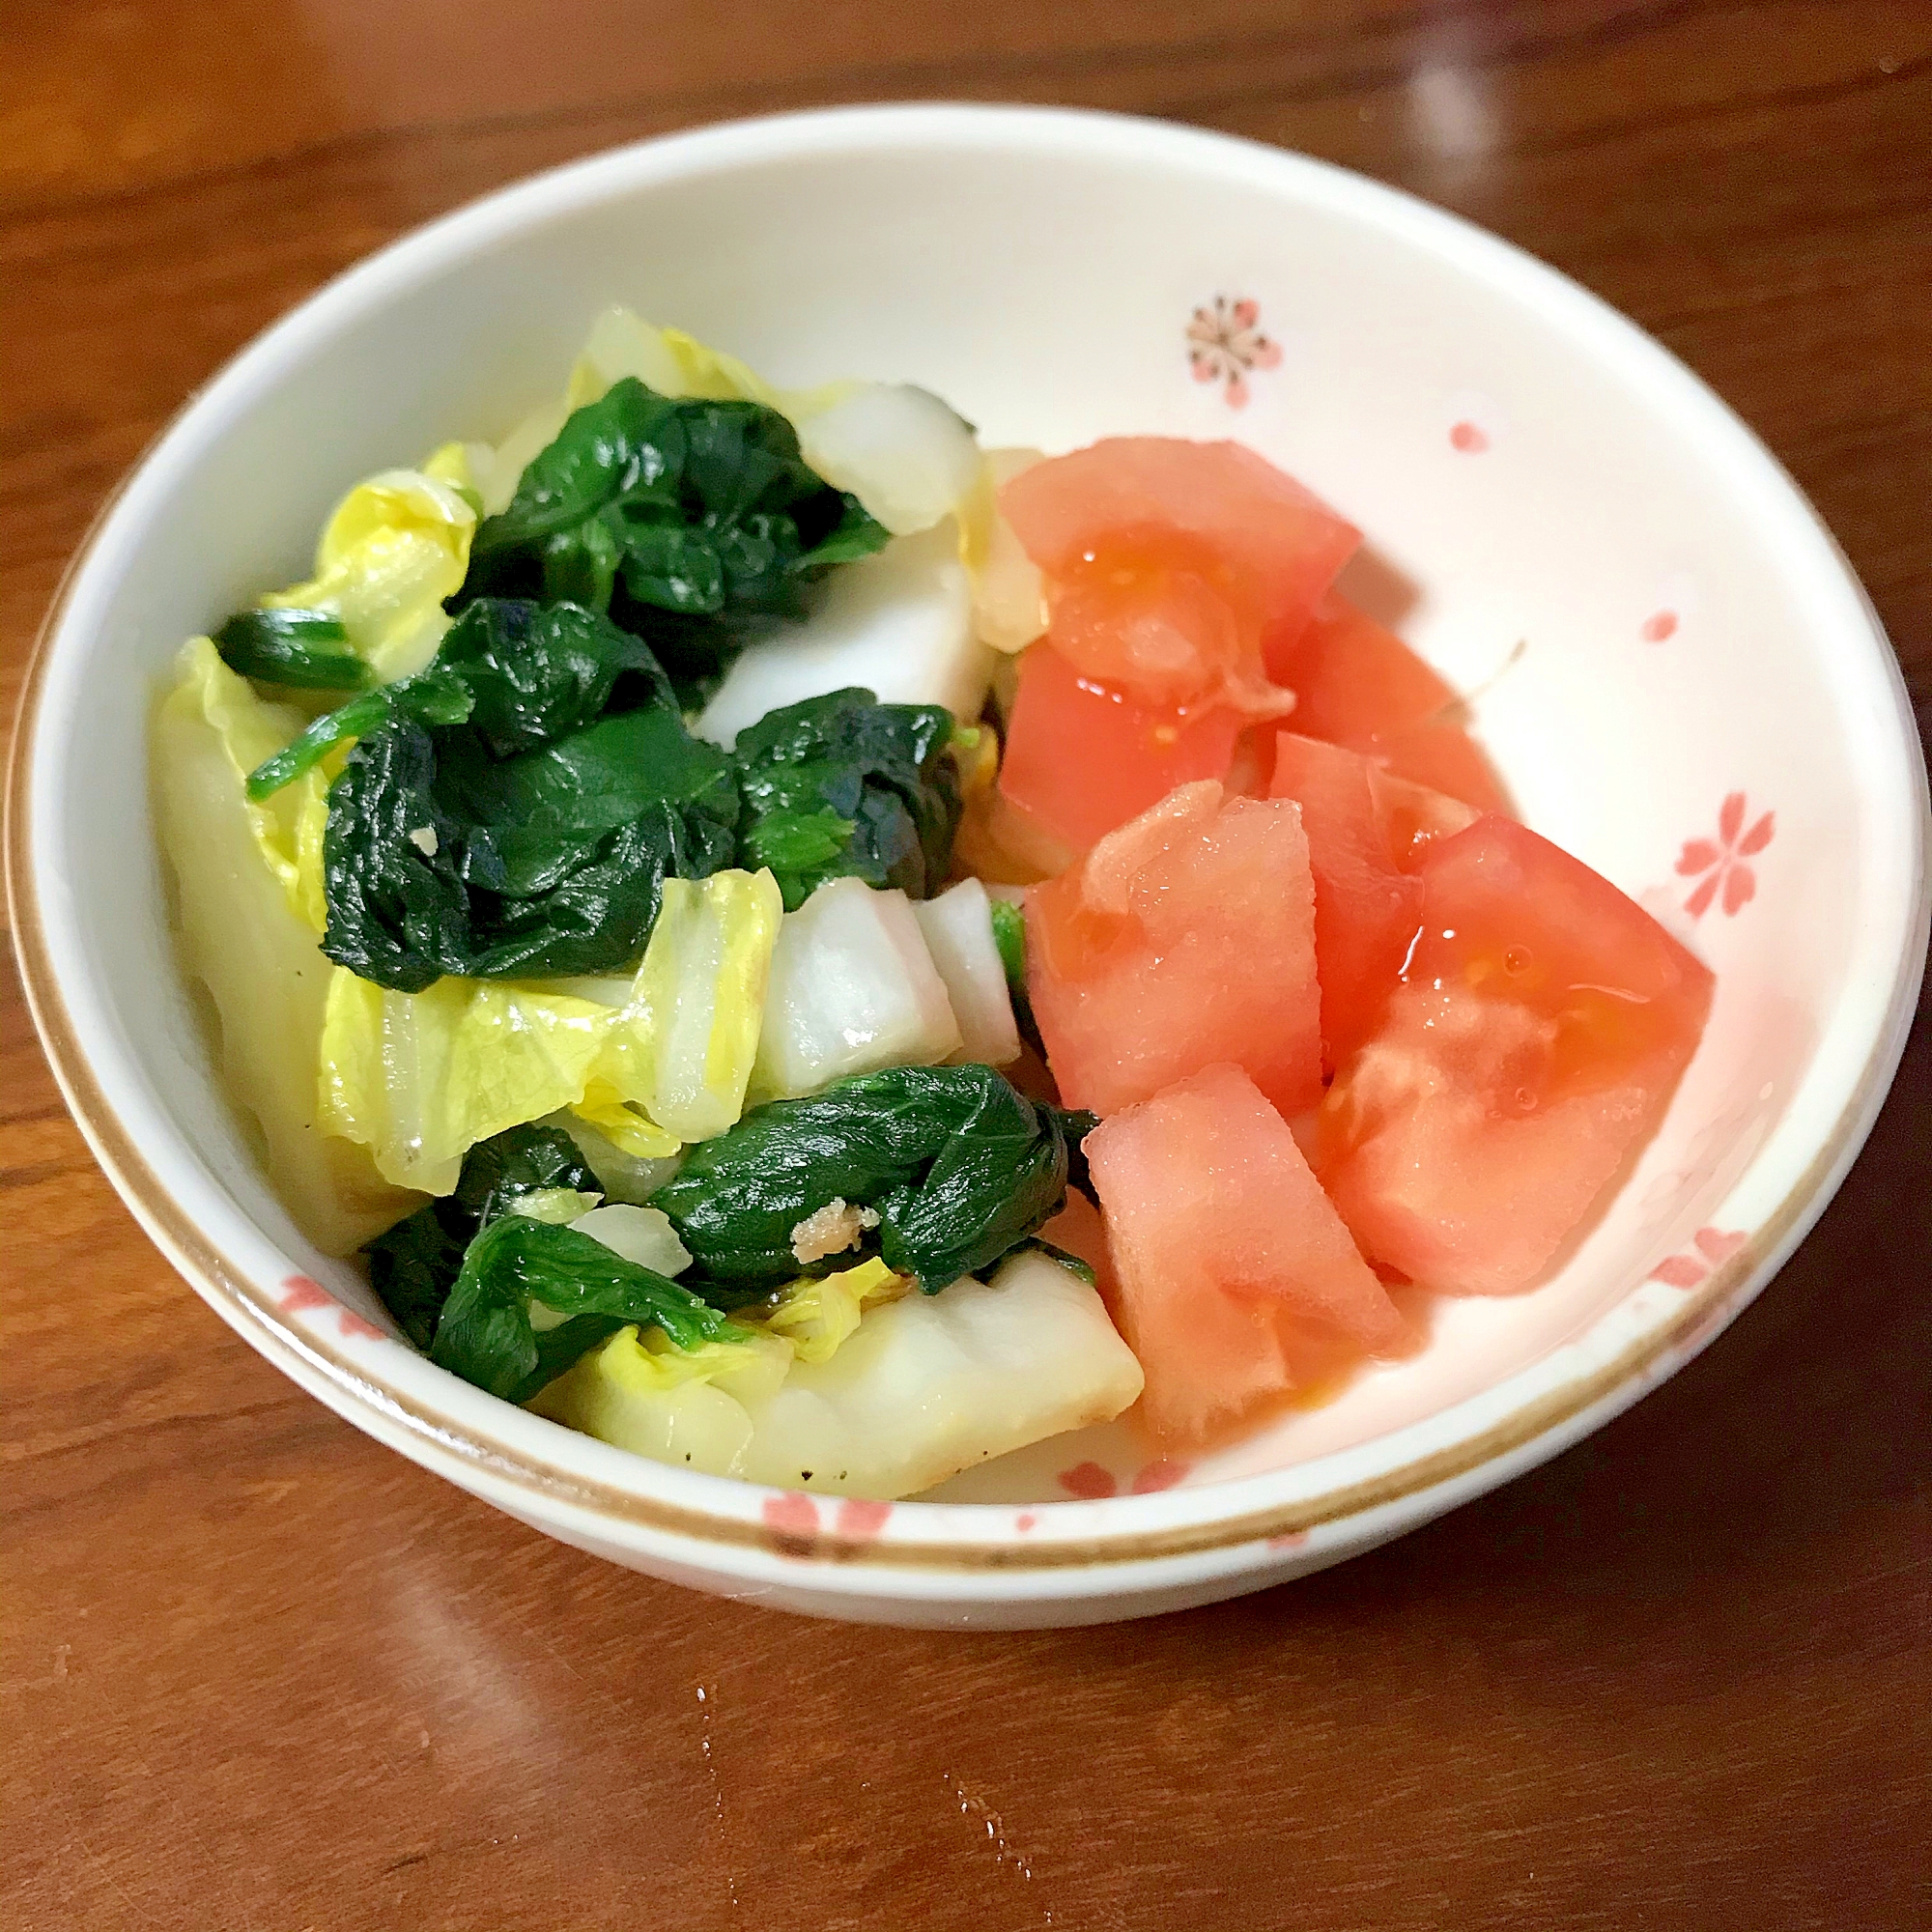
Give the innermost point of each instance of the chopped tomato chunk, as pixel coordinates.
(1166, 563)
(1235, 1281)
(1166, 560)
(1539, 1029)
(1357, 684)
(1186, 937)
(1083, 757)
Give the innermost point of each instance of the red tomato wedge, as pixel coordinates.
(1166, 560)
(1357, 684)
(1366, 833)
(1186, 937)
(1083, 757)
(1536, 1037)
(1235, 1280)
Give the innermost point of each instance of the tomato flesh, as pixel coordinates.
(1184, 937)
(1366, 833)
(1083, 757)
(1235, 1281)
(1535, 1037)
(1146, 523)
(1166, 563)
(1357, 684)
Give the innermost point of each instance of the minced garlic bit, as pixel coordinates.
(423, 839)
(831, 1231)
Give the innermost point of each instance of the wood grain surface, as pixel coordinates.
(259, 1672)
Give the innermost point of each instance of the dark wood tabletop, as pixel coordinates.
(256, 1671)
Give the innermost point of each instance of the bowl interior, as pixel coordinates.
(1676, 678)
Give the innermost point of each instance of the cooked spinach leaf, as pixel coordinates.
(513, 810)
(433, 696)
(486, 1335)
(960, 1165)
(844, 786)
(304, 648)
(1010, 935)
(414, 1266)
(523, 675)
(696, 523)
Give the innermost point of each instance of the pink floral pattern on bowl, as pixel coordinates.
(302, 1292)
(1709, 1248)
(1722, 861)
(1225, 342)
(1091, 1482)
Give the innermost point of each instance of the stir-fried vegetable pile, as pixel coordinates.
(652, 1012)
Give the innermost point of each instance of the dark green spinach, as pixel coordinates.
(1010, 935)
(308, 649)
(960, 1165)
(414, 1266)
(486, 1335)
(695, 524)
(844, 786)
(512, 810)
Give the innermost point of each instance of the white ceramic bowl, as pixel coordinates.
(1706, 710)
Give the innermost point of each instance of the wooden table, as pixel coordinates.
(259, 1672)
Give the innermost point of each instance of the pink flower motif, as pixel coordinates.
(1225, 341)
(1709, 1248)
(304, 1290)
(862, 1517)
(1471, 439)
(793, 1518)
(301, 1292)
(1160, 1474)
(1089, 1481)
(1659, 627)
(1723, 860)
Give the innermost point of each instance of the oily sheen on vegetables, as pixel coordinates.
(842, 786)
(697, 524)
(414, 1266)
(958, 1165)
(516, 811)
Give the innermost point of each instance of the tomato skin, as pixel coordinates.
(1540, 1028)
(1357, 684)
(1082, 758)
(1184, 937)
(1235, 1279)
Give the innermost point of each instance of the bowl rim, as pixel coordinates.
(1401, 1470)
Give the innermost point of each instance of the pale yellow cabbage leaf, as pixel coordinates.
(392, 550)
(419, 1078)
(684, 1043)
(286, 827)
(241, 936)
(923, 1387)
(817, 1316)
(695, 1406)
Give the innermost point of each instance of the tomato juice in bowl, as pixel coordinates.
(1543, 488)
